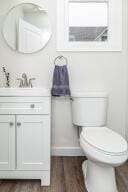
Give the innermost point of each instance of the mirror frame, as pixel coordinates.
(40, 3)
(114, 28)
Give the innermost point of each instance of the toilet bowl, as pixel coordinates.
(104, 148)
(98, 170)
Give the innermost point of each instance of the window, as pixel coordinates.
(88, 25)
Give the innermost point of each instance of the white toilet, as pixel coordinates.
(104, 148)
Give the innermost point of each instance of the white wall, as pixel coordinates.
(126, 129)
(88, 71)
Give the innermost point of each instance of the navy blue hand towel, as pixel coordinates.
(60, 86)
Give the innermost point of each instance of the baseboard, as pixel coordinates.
(67, 151)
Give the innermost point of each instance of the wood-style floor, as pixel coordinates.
(66, 176)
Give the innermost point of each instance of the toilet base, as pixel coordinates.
(98, 177)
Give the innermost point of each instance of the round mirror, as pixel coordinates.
(27, 28)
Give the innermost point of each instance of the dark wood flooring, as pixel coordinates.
(66, 176)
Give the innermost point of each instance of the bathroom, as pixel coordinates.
(89, 70)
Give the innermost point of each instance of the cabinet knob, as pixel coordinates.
(11, 124)
(18, 124)
(32, 106)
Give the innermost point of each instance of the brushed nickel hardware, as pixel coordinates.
(32, 106)
(11, 124)
(25, 82)
(18, 124)
(60, 59)
(30, 82)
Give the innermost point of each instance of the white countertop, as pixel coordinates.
(24, 92)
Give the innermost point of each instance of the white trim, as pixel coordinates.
(67, 151)
(114, 42)
(96, 1)
(44, 176)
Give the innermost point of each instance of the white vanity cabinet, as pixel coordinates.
(25, 137)
(32, 142)
(7, 142)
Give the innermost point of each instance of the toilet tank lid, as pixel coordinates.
(89, 94)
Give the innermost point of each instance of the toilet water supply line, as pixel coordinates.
(79, 130)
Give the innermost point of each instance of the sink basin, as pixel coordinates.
(22, 92)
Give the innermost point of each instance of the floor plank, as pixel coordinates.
(122, 177)
(66, 176)
(72, 172)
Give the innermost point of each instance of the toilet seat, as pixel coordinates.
(104, 140)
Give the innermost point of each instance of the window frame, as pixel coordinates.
(114, 28)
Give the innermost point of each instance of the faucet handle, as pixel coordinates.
(30, 82)
(21, 82)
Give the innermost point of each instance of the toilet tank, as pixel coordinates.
(89, 108)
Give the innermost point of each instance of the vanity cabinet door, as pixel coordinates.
(33, 142)
(7, 142)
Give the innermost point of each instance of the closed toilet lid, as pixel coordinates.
(104, 139)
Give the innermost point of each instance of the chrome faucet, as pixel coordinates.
(25, 82)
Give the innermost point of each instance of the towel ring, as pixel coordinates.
(61, 58)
